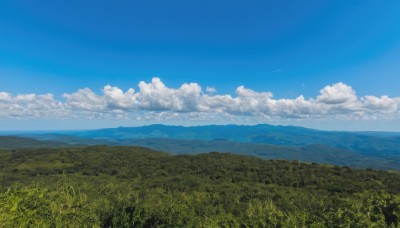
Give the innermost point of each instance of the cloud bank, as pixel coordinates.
(154, 100)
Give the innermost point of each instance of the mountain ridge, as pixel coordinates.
(322, 154)
(262, 133)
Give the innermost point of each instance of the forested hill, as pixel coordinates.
(11, 142)
(137, 187)
(322, 154)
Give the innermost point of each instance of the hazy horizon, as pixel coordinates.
(66, 130)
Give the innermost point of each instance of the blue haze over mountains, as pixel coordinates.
(367, 142)
(378, 150)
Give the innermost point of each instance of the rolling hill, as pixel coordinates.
(378, 150)
(317, 153)
(13, 142)
(375, 144)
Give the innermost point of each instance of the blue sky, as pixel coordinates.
(289, 48)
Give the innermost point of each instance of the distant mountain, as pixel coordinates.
(241, 133)
(379, 133)
(372, 144)
(71, 139)
(355, 149)
(322, 154)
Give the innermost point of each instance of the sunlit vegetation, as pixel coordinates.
(136, 187)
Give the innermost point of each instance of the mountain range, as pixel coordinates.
(378, 150)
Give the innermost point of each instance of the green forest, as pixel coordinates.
(102, 186)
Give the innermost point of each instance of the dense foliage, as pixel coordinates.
(132, 186)
(11, 142)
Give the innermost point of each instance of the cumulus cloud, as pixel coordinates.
(338, 93)
(155, 100)
(156, 96)
(86, 100)
(30, 106)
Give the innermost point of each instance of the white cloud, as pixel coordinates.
(30, 106)
(382, 104)
(211, 89)
(154, 100)
(85, 100)
(338, 93)
(115, 98)
(156, 96)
